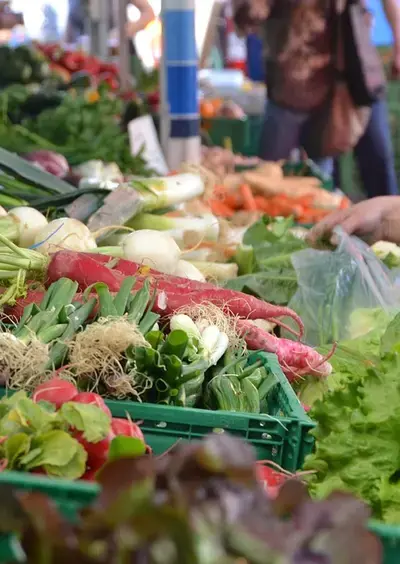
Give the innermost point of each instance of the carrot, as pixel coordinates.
(262, 203)
(220, 209)
(233, 200)
(172, 292)
(295, 358)
(248, 199)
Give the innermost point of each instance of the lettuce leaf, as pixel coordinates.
(357, 433)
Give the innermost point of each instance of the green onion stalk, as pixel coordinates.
(98, 354)
(40, 342)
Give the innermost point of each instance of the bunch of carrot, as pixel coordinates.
(225, 203)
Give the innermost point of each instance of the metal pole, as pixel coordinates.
(98, 28)
(179, 104)
(124, 57)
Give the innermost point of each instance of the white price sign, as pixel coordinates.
(142, 134)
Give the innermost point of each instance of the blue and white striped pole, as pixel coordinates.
(180, 123)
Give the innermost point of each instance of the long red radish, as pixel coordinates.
(130, 268)
(231, 302)
(55, 391)
(296, 359)
(14, 312)
(87, 271)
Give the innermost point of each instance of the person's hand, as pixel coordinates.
(372, 220)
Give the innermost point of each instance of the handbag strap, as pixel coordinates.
(337, 9)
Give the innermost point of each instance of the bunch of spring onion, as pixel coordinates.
(172, 371)
(39, 343)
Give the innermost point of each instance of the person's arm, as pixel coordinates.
(146, 16)
(249, 14)
(392, 11)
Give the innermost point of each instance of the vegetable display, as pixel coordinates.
(118, 284)
(356, 434)
(60, 432)
(221, 514)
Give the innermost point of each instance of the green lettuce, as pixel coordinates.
(358, 425)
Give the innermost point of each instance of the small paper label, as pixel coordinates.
(142, 134)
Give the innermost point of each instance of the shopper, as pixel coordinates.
(299, 38)
(78, 14)
(373, 220)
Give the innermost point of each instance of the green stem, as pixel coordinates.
(60, 349)
(52, 333)
(112, 251)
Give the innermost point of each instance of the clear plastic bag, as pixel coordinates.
(332, 285)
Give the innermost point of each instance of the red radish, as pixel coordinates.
(271, 479)
(89, 475)
(87, 270)
(97, 452)
(127, 428)
(39, 470)
(92, 399)
(15, 312)
(55, 391)
(296, 359)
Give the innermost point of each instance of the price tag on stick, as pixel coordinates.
(143, 135)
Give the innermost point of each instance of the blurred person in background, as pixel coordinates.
(78, 15)
(300, 41)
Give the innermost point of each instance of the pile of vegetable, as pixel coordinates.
(22, 65)
(264, 260)
(62, 433)
(198, 504)
(357, 423)
(81, 125)
(268, 188)
(66, 64)
(122, 352)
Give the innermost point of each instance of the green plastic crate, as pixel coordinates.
(390, 537)
(222, 130)
(244, 134)
(281, 436)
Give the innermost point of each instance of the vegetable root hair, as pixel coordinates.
(97, 354)
(206, 313)
(22, 366)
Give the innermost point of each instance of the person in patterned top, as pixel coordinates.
(299, 44)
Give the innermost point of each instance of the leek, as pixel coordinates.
(206, 227)
(158, 193)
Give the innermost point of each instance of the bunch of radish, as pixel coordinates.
(58, 391)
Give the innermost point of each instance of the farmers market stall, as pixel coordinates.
(146, 319)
